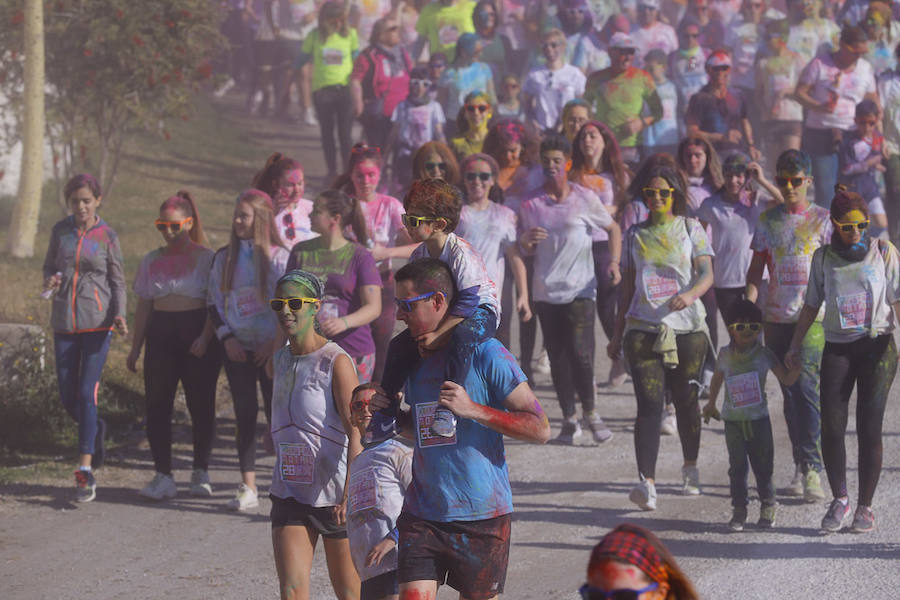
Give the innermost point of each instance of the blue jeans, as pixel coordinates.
(79, 361)
(750, 440)
(801, 400)
(818, 143)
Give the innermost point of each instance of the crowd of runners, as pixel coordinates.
(649, 165)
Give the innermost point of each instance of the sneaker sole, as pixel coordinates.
(157, 498)
(88, 498)
(858, 530)
(735, 528)
(201, 492)
(242, 508)
(837, 529)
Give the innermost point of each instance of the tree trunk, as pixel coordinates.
(23, 227)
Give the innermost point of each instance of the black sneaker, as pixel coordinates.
(381, 427)
(766, 516)
(99, 455)
(738, 518)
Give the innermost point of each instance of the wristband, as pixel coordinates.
(344, 321)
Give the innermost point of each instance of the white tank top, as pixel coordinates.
(309, 437)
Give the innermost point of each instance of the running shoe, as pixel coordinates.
(542, 366)
(644, 495)
(85, 486)
(444, 424)
(766, 516)
(617, 375)
(836, 516)
(162, 487)
(245, 498)
(571, 430)
(309, 118)
(738, 518)
(690, 477)
(224, 88)
(200, 485)
(795, 487)
(812, 487)
(598, 428)
(99, 455)
(381, 427)
(669, 423)
(863, 520)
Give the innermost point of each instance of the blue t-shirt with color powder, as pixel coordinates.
(464, 477)
(745, 382)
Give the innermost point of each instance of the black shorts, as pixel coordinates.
(287, 511)
(265, 52)
(470, 556)
(379, 586)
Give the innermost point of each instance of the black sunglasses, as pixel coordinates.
(794, 181)
(431, 166)
(589, 592)
(482, 176)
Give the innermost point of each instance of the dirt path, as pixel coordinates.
(566, 498)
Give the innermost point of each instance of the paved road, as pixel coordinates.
(566, 498)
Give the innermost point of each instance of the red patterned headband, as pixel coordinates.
(633, 549)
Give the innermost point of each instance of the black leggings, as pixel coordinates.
(167, 361)
(651, 381)
(607, 293)
(334, 110)
(569, 339)
(242, 378)
(871, 364)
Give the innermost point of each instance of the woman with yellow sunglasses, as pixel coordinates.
(171, 320)
(857, 278)
(314, 440)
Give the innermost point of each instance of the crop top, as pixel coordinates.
(185, 274)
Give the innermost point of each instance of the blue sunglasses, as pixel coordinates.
(406, 304)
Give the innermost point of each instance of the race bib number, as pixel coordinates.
(854, 310)
(297, 462)
(424, 418)
(332, 56)
(660, 284)
(744, 390)
(794, 270)
(448, 34)
(363, 492)
(247, 303)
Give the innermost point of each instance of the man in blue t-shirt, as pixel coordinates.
(455, 523)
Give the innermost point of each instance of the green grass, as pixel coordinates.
(214, 156)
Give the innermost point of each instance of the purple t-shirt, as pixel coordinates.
(344, 271)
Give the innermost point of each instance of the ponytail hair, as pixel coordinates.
(359, 153)
(350, 212)
(184, 203)
(276, 165)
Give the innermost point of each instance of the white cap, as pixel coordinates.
(621, 40)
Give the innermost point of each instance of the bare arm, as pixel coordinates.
(357, 95)
(370, 297)
(141, 318)
(626, 293)
(754, 275)
(710, 411)
(517, 266)
(801, 95)
(523, 419)
(703, 265)
(785, 376)
(615, 252)
(343, 382)
(804, 322)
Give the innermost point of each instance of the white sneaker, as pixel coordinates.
(245, 498)
(644, 495)
(542, 365)
(309, 118)
(161, 488)
(691, 478)
(669, 423)
(598, 428)
(224, 88)
(200, 485)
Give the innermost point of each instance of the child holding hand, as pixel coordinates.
(378, 480)
(742, 367)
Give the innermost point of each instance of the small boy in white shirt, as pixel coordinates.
(379, 477)
(548, 88)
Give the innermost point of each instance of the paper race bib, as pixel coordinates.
(854, 310)
(332, 56)
(247, 303)
(363, 491)
(744, 390)
(424, 418)
(297, 462)
(660, 284)
(448, 34)
(794, 270)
